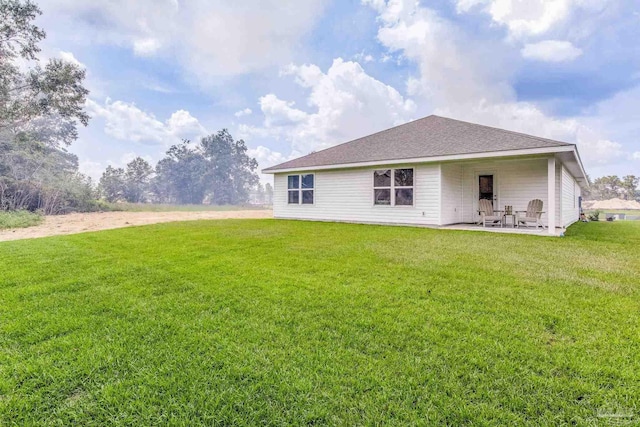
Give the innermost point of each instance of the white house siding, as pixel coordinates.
(452, 193)
(516, 181)
(347, 195)
(570, 194)
(559, 193)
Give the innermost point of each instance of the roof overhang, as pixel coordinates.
(571, 160)
(567, 153)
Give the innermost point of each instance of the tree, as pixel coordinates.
(112, 184)
(36, 176)
(180, 175)
(629, 185)
(137, 177)
(268, 191)
(606, 187)
(54, 91)
(217, 169)
(260, 194)
(18, 35)
(40, 107)
(231, 172)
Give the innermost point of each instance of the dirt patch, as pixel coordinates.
(611, 204)
(83, 222)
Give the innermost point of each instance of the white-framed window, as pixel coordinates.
(300, 189)
(393, 187)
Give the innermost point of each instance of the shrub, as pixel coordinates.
(19, 219)
(594, 216)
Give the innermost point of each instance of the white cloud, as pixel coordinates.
(469, 79)
(280, 113)
(266, 157)
(69, 57)
(534, 18)
(636, 155)
(531, 17)
(242, 113)
(126, 122)
(345, 103)
(146, 47)
(363, 57)
(182, 124)
(620, 115)
(551, 51)
(304, 75)
(454, 67)
(210, 38)
(523, 18)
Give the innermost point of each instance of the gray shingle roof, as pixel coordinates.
(431, 136)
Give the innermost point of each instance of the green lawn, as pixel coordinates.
(266, 322)
(19, 219)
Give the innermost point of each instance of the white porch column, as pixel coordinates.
(551, 195)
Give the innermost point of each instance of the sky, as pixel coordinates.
(294, 76)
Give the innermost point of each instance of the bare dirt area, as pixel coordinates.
(83, 222)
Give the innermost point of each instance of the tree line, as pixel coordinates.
(41, 108)
(611, 186)
(216, 170)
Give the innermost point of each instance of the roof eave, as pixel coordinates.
(579, 161)
(469, 156)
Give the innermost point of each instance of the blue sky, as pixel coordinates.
(290, 77)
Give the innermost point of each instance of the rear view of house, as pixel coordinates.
(432, 171)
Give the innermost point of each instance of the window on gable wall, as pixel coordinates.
(382, 187)
(300, 189)
(393, 192)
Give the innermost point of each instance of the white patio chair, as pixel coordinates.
(533, 214)
(487, 214)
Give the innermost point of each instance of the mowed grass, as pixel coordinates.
(19, 219)
(267, 322)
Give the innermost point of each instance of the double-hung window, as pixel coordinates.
(300, 189)
(393, 187)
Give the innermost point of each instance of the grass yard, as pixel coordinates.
(265, 322)
(19, 219)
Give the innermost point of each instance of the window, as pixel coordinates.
(403, 184)
(300, 189)
(307, 189)
(393, 192)
(293, 186)
(382, 187)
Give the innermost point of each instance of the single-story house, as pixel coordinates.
(432, 171)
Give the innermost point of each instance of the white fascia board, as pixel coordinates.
(579, 160)
(491, 154)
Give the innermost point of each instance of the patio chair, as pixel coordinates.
(533, 214)
(487, 214)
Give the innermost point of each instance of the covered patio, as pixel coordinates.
(508, 229)
(513, 182)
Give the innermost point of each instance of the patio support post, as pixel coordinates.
(551, 195)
